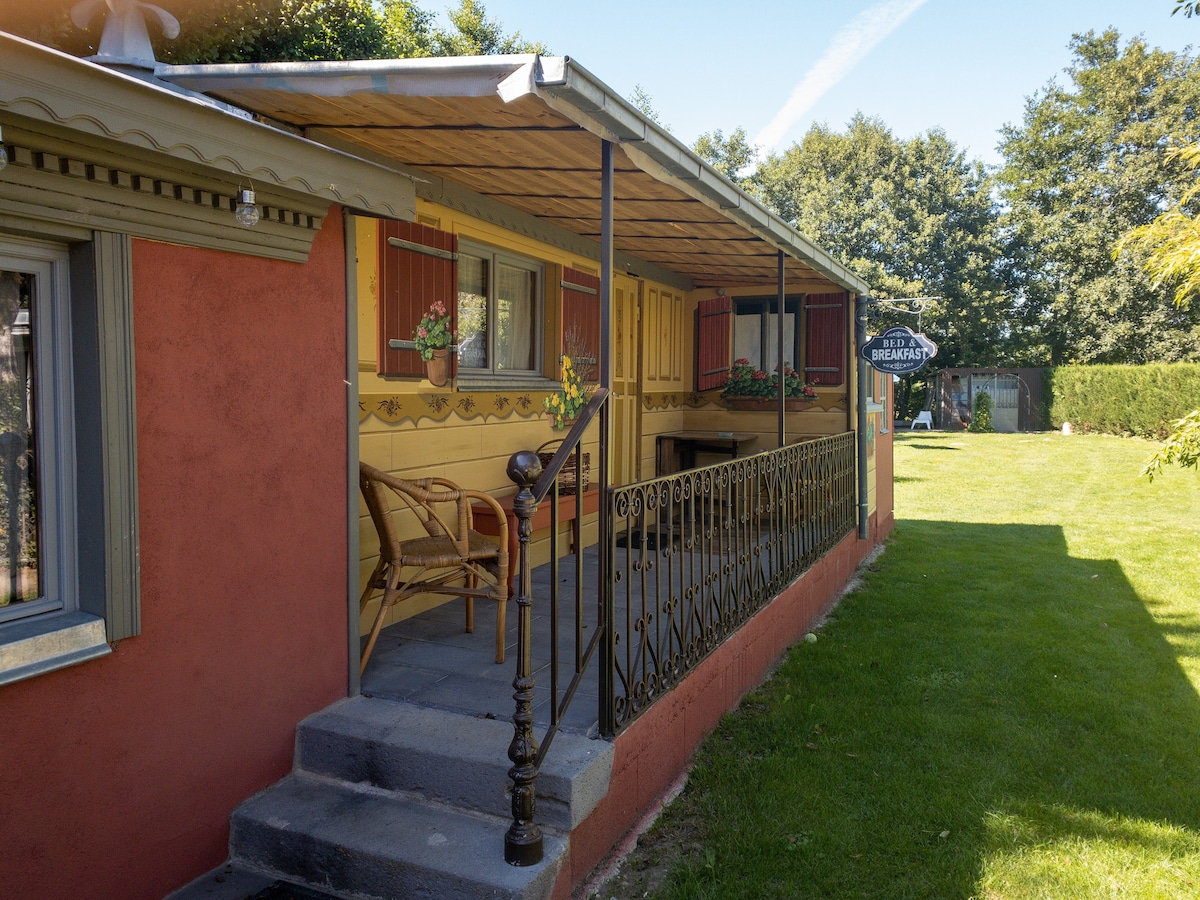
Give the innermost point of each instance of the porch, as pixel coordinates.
(696, 585)
(627, 250)
(689, 558)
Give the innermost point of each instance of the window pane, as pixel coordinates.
(789, 340)
(516, 327)
(472, 312)
(747, 337)
(756, 334)
(20, 578)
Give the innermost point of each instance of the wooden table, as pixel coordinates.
(677, 449)
(485, 521)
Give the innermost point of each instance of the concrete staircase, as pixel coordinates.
(390, 799)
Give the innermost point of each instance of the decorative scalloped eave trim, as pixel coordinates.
(48, 86)
(330, 192)
(127, 179)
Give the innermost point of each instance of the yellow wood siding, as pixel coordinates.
(472, 446)
(471, 450)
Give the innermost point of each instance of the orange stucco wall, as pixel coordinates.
(119, 774)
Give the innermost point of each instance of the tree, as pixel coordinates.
(49, 22)
(408, 29)
(287, 30)
(645, 104)
(1171, 244)
(913, 217)
(475, 34)
(1086, 165)
(981, 418)
(1182, 446)
(1190, 8)
(733, 157)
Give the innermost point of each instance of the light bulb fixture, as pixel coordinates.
(3, 152)
(246, 211)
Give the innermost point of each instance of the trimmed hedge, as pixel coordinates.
(1131, 400)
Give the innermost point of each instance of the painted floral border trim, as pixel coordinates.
(440, 406)
(666, 400)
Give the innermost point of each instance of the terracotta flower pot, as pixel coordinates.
(437, 369)
(767, 404)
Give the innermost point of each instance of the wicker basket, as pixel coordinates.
(566, 478)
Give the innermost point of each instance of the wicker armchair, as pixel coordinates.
(453, 559)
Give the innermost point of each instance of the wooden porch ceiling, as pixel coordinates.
(533, 158)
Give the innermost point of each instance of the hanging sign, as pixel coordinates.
(898, 351)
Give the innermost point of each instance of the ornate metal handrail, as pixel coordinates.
(523, 842)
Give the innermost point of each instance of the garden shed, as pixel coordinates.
(1016, 397)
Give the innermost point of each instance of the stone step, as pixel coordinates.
(450, 758)
(361, 842)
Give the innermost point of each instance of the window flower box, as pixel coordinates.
(751, 388)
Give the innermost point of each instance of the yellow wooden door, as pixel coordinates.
(627, 384)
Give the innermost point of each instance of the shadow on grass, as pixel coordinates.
(920, 446)
(984, 701)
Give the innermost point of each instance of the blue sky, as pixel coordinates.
(963, 65)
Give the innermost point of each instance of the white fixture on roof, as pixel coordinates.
(125, 37)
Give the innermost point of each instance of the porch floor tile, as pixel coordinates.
(430, 660)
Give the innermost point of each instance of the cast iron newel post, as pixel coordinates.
(523, 841)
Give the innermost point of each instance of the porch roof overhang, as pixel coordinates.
(93, 148)
(525, 132)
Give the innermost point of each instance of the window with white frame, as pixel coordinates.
(68, 502)
(499, 313)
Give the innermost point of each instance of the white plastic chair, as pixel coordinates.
(924, 417)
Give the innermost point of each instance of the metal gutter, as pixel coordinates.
(433, 76)
(864, 485)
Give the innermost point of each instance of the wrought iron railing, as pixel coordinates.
(692, 556)
(684, 560)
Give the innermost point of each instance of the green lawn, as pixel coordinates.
(1008, 707)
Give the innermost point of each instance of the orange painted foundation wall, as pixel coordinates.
(119, 775)
(656, 749)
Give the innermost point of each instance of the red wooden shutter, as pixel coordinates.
(581, 322)
(825, 347)
(713, 320)
(416, 268)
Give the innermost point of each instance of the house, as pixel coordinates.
(201, 543)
